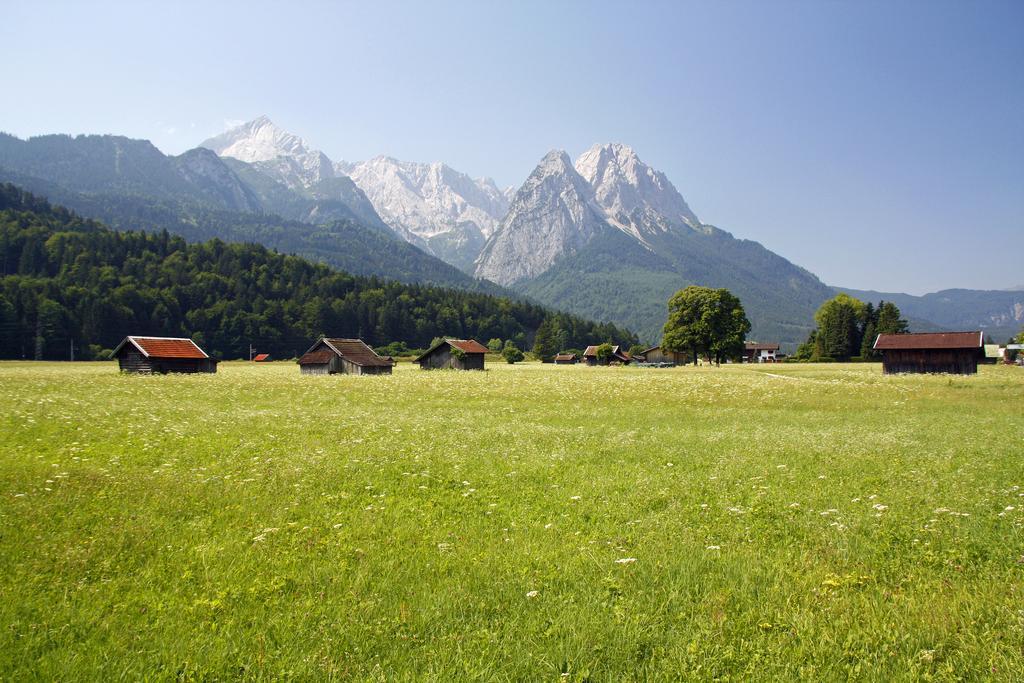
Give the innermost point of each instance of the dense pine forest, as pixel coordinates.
(67, 280)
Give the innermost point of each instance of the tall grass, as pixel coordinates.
(527, 523)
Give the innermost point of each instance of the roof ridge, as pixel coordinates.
(149, 336)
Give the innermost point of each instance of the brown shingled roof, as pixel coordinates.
(356, 351)
(754, 346)
(468, 345)
(318, 357)
(465, 345)
(930, 340)
(164, 347)
(352, 350)
(617, 352)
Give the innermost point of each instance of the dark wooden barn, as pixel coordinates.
(331, 356)
(618, 356)
(955, 353)
(566, 359)
(457, 354)
(656, 355)
(162, 355)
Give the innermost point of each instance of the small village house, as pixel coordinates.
(1013, 354)
(457, 354)
(261, 358)
(754, 352)
(330, 356)
(656, 355)
(993, 354)
(952, 352)
(566, 359)
(162, 355)
(618, 356)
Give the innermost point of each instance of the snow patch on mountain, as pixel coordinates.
(433, 205)
(274, 151)
(635, 197)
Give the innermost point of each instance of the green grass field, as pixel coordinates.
(527, 523)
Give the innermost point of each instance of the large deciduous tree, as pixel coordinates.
(705, 321)
(839, 328)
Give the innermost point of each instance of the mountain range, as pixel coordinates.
(605, 236)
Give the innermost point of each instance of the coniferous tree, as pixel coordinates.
(545, 343)
(889, 321)
(869, 331)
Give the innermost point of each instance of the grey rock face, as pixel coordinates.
(552, 215)
(433, 205)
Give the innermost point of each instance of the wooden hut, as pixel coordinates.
(566, 359)
(656, 355)
(162, 355)
(957, 353)
(618, 356)
(457, 354)
(330, 356)
(754, 352)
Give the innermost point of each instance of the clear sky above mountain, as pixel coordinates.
(880, 145)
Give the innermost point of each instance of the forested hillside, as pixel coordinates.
(130, 185)
(344, 244)
(64, 278)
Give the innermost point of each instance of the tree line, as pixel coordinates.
(711, 323)
(847, 329)
(65, 279)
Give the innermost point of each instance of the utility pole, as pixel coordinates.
(250, 352)
(72, 350)
(39, 339)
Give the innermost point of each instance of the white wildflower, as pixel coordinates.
(533, 594)
(625, 560)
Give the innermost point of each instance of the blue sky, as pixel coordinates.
(879, 145)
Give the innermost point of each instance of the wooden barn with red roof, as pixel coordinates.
(331, 356)
(457, 354)
(162, 355)
(956, 353)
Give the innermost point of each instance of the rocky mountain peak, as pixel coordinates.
(636, 197)
(274, 150)
(551, 216)
(432, 205)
